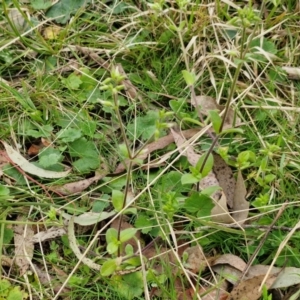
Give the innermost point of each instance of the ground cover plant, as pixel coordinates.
(149, 149)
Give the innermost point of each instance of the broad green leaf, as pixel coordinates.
(63, 9)
(144, 223)
(111, 235)
(49, 157)
(208, 164)
(15, 294)
(127, 234)
(109, 267)
(8, 235)
(143, 126)
(69, 135)
(40, 4)
(117, 200)
(189, 179)
(189, 77)
(73, 82)
(4, 191)
(199, 204)
(216, 120)
(83, 148)
(86, 164)
(112, 247)
(42, 131)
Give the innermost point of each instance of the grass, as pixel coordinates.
(60, 92)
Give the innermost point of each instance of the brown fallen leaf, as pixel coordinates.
(225, 178)
(196, 261)
(157, 145)
(250, 289)
(220, 213)
(72, 188)
(240, 209)
(23, 246)
(232, 260)
(292, 72)
(207, 103)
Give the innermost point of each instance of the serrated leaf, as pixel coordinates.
(117, 200)
(127, 234)
(62, 10)
(40, 4)
(199, 203)
(82, 148)
(86, 164)
(69, 135)
(49, 157)
(109, 267)
(144, 223)
(143, 126)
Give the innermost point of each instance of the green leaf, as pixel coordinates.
(43, 131)
(111, 235)
(199, 204)
(15, 294)
(69, 135)
(189, 179)
(109, 267)
(144, 223)
(83, 148)
(143, 126)
(49, 157)
(208, 164)
(86, 164)
(216, 120)
(8, 235)
(189, 77)
(73, 82)
(40, 4)
(117, 200)
(4, 191)
(127, 234)
(112, 247)
(63, 9)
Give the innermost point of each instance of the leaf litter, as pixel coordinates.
(24, 246)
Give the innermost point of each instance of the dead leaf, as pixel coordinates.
(28, 167)
(220, 213)
(75, 248)
(196, 261)
(130, 89)
(207, 103)
(89, 218)
(72, 188)
(250, 289)
(23, 246)
(240, 204)
(157, 145)
(225, 178)
(292, 72)
(232, 260)
(49, 234)
(289, 276)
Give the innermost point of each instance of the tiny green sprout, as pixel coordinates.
(106, 103)
(52, 214)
